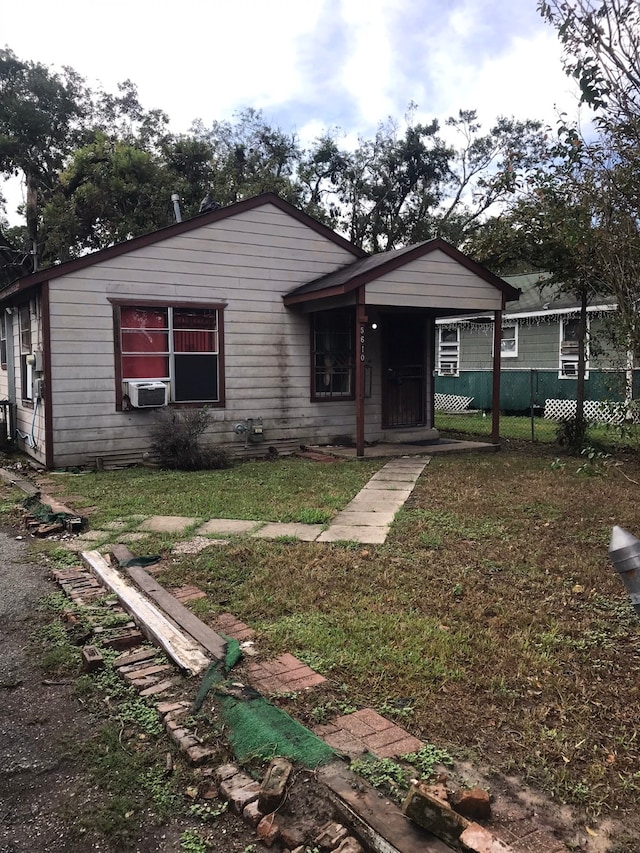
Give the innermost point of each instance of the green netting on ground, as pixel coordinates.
(216, 671)
(257, 729)
(43, 512)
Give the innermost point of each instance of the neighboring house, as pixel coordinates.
(288, 332)
(539, 352)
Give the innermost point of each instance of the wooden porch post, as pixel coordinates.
(361, 325)
(495, 394)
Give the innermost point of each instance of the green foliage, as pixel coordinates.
(427, 759)
(383, 773)
(206, 812)
(175, 440)
(192, 842)
(572, 434)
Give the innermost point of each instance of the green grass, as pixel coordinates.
(544, 431)
(288, 490)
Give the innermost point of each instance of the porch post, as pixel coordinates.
(361, 325)
(495, 394)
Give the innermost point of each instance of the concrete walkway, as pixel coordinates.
(365, 520)
(368, 517)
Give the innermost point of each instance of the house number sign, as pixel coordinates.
(361, 343)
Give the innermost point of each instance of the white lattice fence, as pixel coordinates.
(594, 410)
(451, 403)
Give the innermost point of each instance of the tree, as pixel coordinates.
(601, 43)
(39, 115)
(249, 157)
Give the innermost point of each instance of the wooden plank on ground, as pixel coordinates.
(180, 614)
(182, 649)
(377, 820)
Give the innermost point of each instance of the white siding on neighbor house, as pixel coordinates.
(29, 418)
(247, 262)
(434, 281)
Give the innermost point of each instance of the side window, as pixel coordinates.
(26, 357)
(3, 339)
(509, 341)
(177, 345)
(569, 338)
(449, 352)
(332, 355)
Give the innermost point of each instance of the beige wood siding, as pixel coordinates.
(246, 262)
(434, 281)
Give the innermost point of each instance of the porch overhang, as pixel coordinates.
(432, 278)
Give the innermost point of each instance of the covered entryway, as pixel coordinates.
(401, 293)
(403, 371)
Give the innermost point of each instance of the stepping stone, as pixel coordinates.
(355, 533)
(197, 544)
(227, 525)
(167, 523)
(303, 532)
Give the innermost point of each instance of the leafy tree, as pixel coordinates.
(39, 115)
(601, 42)
(249, 157)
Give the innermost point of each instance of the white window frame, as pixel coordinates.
(3, 339)
(509, 353)
(448, 353)
(568, 352)
(26, 351)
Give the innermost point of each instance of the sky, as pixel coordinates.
(309, 65)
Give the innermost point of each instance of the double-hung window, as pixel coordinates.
(569, 343)
(3, 340)
(509, 341)
(333, 334)
(449, 352)
(175, 344)
(26, 357)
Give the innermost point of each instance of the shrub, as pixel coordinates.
(175, 440)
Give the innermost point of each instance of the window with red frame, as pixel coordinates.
(179, 346)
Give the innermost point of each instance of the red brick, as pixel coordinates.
(477, 839)
(312, 679)
(199, 754)
(224, 772)
(331, 835)
(354, 724)
(401, 747)
(134, 657)
(159, 688)
(344, 742)
(268, 830)
(373, 719)
(252, 814)
(385, 738)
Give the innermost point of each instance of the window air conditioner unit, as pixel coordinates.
(145, 395)
(569, 368)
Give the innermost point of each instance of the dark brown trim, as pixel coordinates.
(396, 261)
(497, 364)
(174, 230)
(117, 355)
(49, 454)
(117, 302)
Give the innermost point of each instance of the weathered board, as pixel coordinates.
(181, 648)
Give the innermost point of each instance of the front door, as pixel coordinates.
(403, 380)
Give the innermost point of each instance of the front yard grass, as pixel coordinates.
(491, 620)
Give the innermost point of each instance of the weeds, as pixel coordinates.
(382, 773)
(427, 759)
(192, 842)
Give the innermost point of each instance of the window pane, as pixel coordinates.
(196, 378)
(139, 340)
(333, 354)
(145, 367)
(195, 318)
(135, 317)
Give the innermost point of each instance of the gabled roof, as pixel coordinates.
(367, 269)
(537, 298)
(59, 270)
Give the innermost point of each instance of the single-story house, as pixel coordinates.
(538, 352)
(288, 333)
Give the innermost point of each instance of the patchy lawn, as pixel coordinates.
(491, 622)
